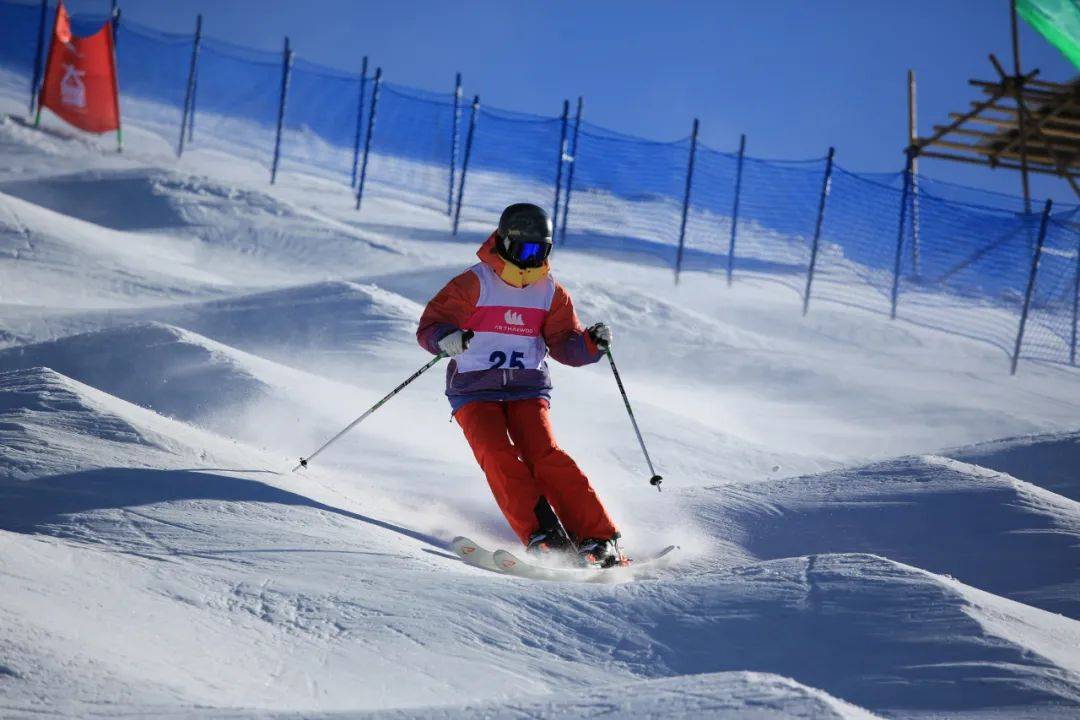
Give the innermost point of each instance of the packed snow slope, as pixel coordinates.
(856, 538)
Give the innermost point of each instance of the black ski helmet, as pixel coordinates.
(524, 235)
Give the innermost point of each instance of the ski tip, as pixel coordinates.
(505, 561)
(461, 542)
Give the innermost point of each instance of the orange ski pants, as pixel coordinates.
(513, 442)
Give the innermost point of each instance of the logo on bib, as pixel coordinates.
(508, 320)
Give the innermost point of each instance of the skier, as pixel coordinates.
(498, 321)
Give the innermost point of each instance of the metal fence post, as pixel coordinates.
(826, 183)
(190, 83)
(114, 13)
(572, 161)
(735, 209)
(686, 199)
(115, 77)
(1031, 284)
(904, 195)
(37, 56)
(370, 134)
(191, 112)
(1076, 308)
(359, 122)
(562, 155)
(286, 69)
(465, 161)
(455, 128)
(52, 39)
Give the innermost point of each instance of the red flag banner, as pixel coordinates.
(80, 77)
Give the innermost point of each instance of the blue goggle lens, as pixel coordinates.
(529, 251)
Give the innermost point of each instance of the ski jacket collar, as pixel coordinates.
(508, 272)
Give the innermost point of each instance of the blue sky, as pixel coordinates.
(796, 77)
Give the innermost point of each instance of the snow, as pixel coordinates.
(1051, 461)
(875, 519)
(917, 510)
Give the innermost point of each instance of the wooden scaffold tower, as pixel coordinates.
(1021, 123)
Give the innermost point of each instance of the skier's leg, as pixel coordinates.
(511, 482)
(561, 480)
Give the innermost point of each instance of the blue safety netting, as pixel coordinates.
(627, 193)
(322, 111)
(710, 213)
(513, 155)
(778, 208)
(153, 92)
(856, 258)
(19, 26)
(968, 258)
(970, 196)
(412, 143)
(961, 262)
(237, 98)
(1053, 322)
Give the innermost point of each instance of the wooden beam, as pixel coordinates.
(913, 160)
(1034, 94)
(1010, 125)
(1042, 158)
(978, 108)
(1034, 156)
(1055, 86)
(996, 122)
(1036, 125)
(987, 87)
(1006, 141)
(1061, 133)
(1056, 141)
(1068, 122)
(987, 163)
(1061, 160)
(995, 106)
(1034, 135)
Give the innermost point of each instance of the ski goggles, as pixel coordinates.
(528, 253)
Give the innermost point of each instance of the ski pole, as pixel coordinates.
(655, 480)
(304, 461)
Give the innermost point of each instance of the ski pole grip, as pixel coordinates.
(466, 336)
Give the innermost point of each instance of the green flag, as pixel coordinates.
(1056, 20)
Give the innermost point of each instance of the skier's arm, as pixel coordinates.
(448, 311)
(566, 338)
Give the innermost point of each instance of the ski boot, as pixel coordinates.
(547, 542)
(593, 552)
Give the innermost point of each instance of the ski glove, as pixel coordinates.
(601, 335)
(455, 343)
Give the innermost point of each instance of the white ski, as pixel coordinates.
(511, 564)
(506, 563)
(473, 554)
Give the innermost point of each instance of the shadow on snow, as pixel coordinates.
(30, 507)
